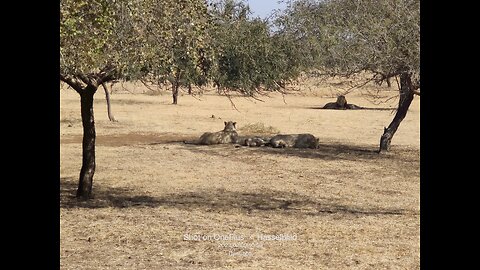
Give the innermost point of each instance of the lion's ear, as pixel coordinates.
(234, 124)
(225, 123)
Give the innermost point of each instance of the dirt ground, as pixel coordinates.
(163, 204)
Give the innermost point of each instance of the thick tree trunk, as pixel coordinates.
(175, 92)
(88, 145)
(406, 97)
(109, 106)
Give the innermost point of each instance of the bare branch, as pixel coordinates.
(147, 86)
(109, 107)
(359, 85)
(125, 89)
(230, 99)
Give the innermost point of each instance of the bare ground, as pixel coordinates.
(347, 206)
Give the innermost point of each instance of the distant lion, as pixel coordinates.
(341, 104)
(227, 135)
(294, 141)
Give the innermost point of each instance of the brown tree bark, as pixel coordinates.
(175, 86)
(87, 171)
(406, 97)
(109, 106)
(175, 92)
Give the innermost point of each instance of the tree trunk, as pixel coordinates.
(109, 106)
(189, 89)
(406, 97)
(389, 84)
(175, 92)
(88, 145)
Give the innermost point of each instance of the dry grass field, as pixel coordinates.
(162, 204)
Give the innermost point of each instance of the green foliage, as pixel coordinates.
(138, 38)
(301, 24)
(181, 42)
(248, 57)
(178, 41)
(351, 36)
(86, 35)
(378, 36)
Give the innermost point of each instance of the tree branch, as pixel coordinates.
(144, 82)
(72, 82)
(106, 74)
(109, 107)
(230, 99)
(84, 79)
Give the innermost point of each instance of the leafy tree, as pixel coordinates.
(355, 36)
(184, 58)
(301, 23)
(248, 58)
(88, 58)
(107, 40)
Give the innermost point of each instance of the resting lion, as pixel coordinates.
(227, 135)
(305, 140)
(341, 104)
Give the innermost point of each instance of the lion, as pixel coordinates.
(227, 135)
(341, 104)
(305, 140)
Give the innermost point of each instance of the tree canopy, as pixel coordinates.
(249, 57)
(346, 37)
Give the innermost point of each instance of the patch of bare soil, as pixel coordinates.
(133, 138)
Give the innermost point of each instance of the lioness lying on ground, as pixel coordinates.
(227, 135)
(305, 140)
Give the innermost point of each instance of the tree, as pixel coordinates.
(107, 40)
(355, 36)
(87, 41)
(249, 58)
(184, 57)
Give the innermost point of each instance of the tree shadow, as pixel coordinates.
(220, 200)
(331, 151)
(325, 151)
(357, 109)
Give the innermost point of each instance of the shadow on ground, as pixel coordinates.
(331, 151)
(358, 109)
(219, 200)
(133, 138)
(325, 151)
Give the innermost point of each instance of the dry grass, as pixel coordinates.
(257, 128)
(349, 207)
